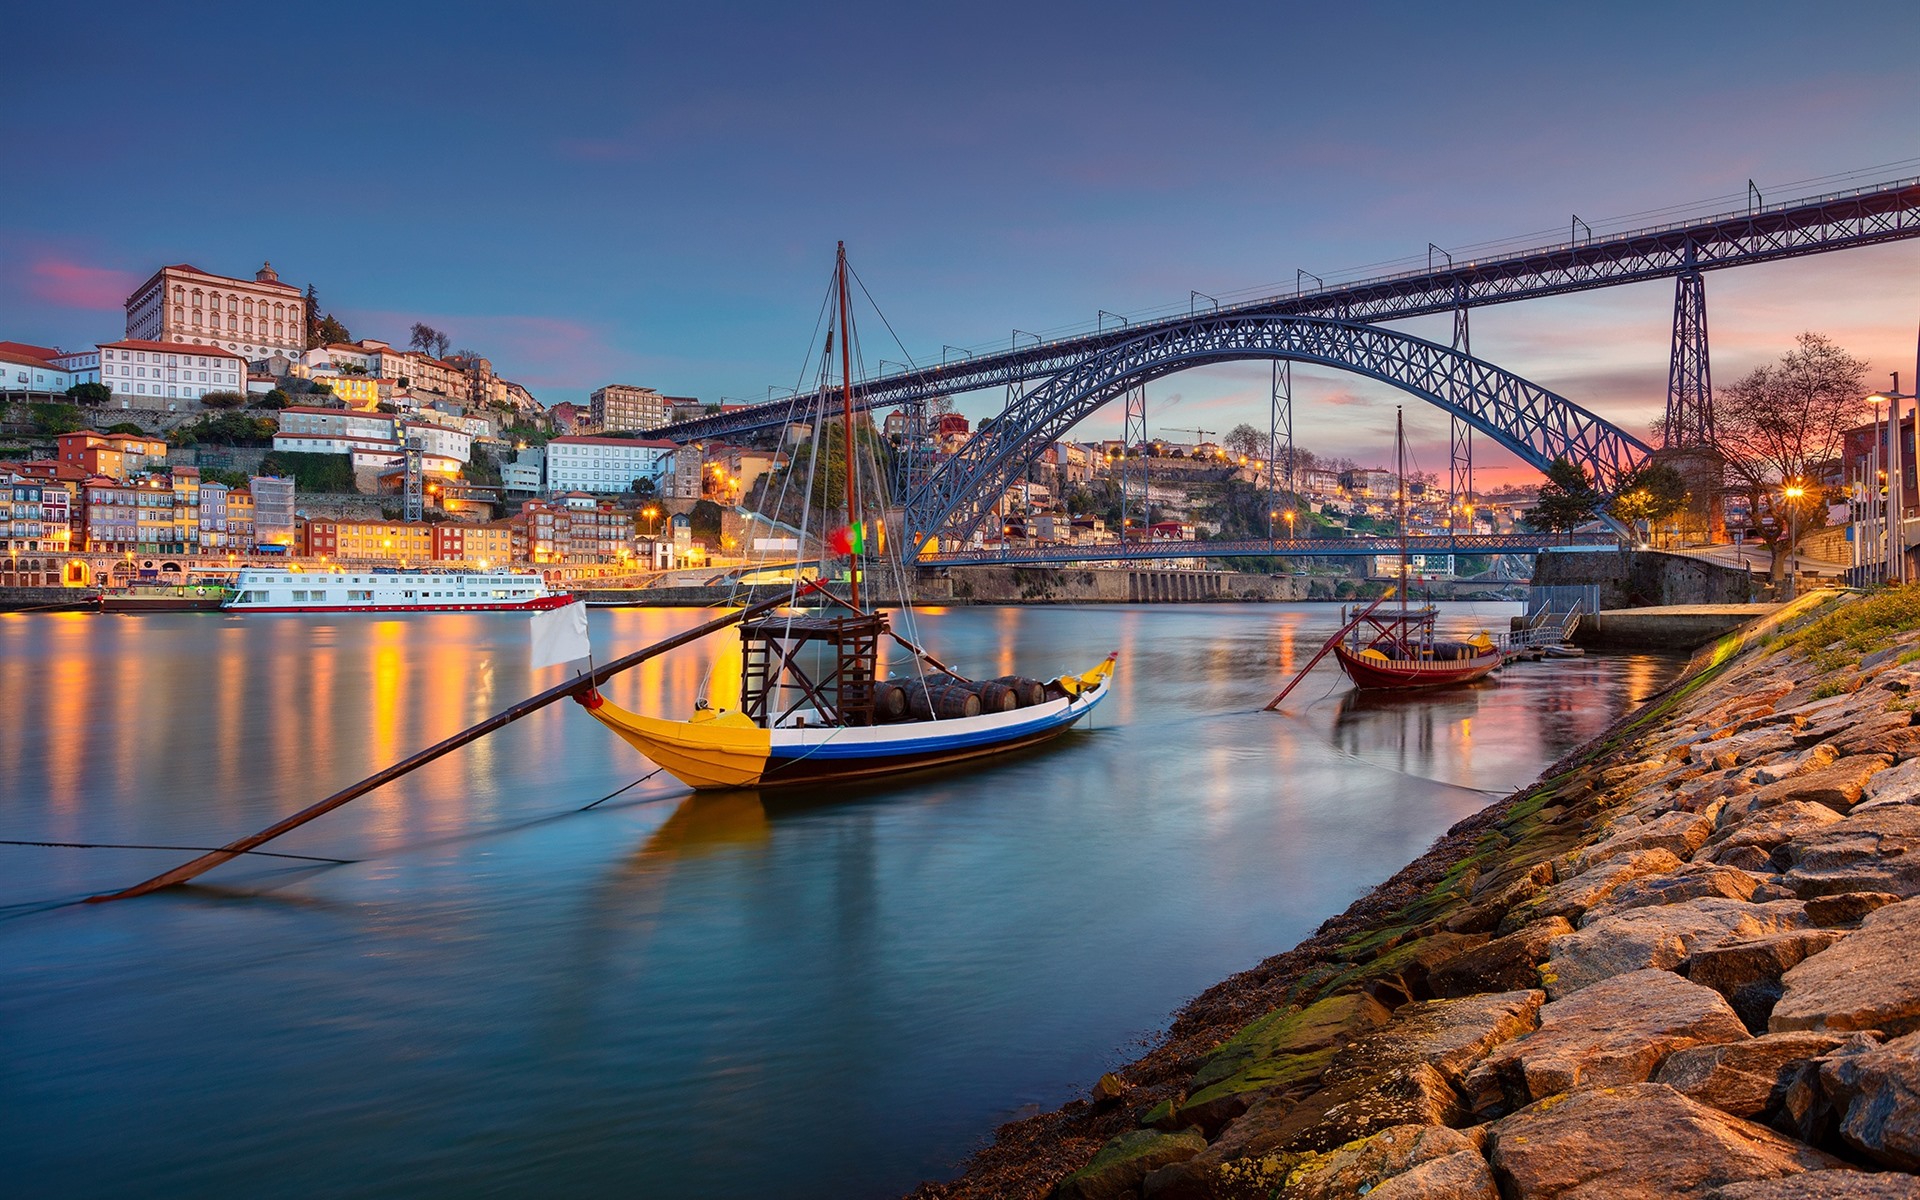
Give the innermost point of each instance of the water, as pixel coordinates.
(663, 996)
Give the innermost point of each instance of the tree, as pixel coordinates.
(425, 337)
(1782, 423)
(126, 427)
(440, 343)
(273, 399)
(312, 472)
(704, 521)
(1567, 498)
(1245, 439)
(90, 393)
(223, 399)
(644, 488)
(234, 480)
(1652, 493)
(330, 330)
(313, 318)
(52, 420)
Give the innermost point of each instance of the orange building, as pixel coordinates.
(457, 541)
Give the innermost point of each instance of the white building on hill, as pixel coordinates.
(603, 464)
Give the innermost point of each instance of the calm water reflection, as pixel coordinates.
(664, 996)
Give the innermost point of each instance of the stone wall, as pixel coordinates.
(1639, 578)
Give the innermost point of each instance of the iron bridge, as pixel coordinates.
(1865, 216)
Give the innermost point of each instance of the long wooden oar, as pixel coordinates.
(574, 686)
(1331, 643)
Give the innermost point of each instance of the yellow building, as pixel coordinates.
(362, 392)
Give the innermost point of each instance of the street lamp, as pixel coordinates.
(1793, 491)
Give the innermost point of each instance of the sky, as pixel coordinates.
(650, 194)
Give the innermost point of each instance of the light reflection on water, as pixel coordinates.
(820, 997)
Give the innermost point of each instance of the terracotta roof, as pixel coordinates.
(171, 348)
(30, 350)
(21, 358)
(334, 412)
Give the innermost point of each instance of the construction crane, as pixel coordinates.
(1199, 435)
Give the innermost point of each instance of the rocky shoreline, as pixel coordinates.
(1684, 962)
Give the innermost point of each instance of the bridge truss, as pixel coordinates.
(1535, 424)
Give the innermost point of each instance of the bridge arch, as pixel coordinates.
(1534, 423)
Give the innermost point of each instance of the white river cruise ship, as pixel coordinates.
(277, 589)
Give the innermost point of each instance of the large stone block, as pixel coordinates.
(1508, 964)
(1764, 829)
(1658, 937)
(1748, 972)
(1877, 1092)
(1876, 849)
(1116, 1171)
(1678, 833)
(1636, 1142)
(1839, 785)
(1741, 1078)
(1583, 891)
(1691, 881)
(1284, 1051)
(1823, 1185)
(1617, 1031)
(1871, 980)
(1451, 1036)
(1365, 1167)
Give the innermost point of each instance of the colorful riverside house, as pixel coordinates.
(488, 545)
(153, 507)
(240, 520)
(109, 516)
(185, 482)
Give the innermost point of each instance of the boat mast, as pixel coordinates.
(1400, 472)
(846, 418)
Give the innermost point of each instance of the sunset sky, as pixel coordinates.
(651, 194)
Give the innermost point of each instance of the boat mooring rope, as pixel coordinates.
(144, 846)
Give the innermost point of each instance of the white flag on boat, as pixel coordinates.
(560, 636)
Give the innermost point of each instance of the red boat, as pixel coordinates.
(1400, 651)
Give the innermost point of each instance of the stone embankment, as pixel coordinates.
(1685, 963)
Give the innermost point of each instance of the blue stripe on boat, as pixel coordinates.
(952, 741)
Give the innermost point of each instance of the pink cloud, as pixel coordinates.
(75, 285)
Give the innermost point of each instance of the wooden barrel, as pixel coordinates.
(1028, 692)
(995, 696)
(889, 700)
(946, 702)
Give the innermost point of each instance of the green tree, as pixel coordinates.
(126, 427)
(1567, 498)
(232, 479)
(644, 488)
(225, 429)
(312, 472)
(273, 399)
(223, 399)
(90, 393)
(331, 330)
(313, 317)
(1653, 492)
(52, 420)
(705, 520)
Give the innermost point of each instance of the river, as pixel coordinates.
(502, 995)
